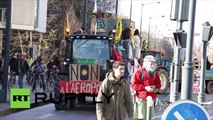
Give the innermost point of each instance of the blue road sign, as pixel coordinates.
(185, 110)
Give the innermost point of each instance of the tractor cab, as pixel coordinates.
(91, 50)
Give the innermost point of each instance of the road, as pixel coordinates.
(48, 112)
(82, 112)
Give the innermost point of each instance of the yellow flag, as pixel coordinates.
(67, 26)
(132, 32)
(118, 30)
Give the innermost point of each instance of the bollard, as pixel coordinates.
(149, 107)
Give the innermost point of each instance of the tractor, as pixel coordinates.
(88, 58)
(162, 69)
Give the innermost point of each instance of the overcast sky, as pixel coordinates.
(204, 12)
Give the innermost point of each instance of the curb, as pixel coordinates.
(14, 110)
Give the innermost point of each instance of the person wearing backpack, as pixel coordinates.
(114, 97)
(145, 82)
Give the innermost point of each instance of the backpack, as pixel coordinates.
(142, 75)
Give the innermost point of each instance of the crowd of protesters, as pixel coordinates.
(21, 64)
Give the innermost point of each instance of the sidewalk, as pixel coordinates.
(5, 107)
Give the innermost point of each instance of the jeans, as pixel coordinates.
(20, 79)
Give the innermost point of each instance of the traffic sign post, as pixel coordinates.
(185, 110)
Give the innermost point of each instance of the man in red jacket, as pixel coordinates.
(145, 82)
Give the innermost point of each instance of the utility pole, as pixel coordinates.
(207, 34)
(187, 73)
(3, 93)
(177, 49)
(116, 10)
(180, 9)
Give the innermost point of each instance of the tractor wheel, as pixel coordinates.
(209, 87)
(164, 78)
(60, 98)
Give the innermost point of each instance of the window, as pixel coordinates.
(91, 48)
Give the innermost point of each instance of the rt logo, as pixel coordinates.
(20, 98)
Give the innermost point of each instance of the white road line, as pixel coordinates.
(45, 116)
(178, 116)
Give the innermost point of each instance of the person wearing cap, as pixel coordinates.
(145, 82)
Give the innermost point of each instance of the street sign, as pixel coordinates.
(185, 110)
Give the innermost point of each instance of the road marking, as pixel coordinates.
(45, 116)
(178, 116)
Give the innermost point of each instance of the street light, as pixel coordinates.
(130, 16)
(157, 32)
(149, 29)
(142, 14)
(116, 10)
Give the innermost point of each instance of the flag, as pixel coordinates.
(67, 26)
(118, 30)
(95, 7)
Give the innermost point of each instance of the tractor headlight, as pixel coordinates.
(65, 63)
(67, 59)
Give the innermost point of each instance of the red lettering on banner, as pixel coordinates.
(97, 87)
(87, 88)
(77, 90)
(72, 88)
(196, 89)
(196, 83)
(80, 86)
(62, 85)
(93, 86)
(83, 86)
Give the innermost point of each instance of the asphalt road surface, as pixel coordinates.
(82, 112)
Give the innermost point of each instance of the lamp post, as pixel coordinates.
(150, 18)
(142, 14)
(130, 16)
(116, 10)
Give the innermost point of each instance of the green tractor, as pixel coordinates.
(88, 58)
(162, 69)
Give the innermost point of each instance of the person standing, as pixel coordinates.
(127, 53)
(145, 82)
(114, 95)
(137, 41)
(23, 67)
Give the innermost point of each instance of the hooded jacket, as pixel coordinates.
(120, 101)
(139, 85)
